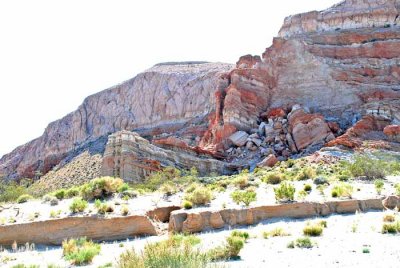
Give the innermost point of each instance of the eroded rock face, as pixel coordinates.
(165, 98)
(349, 14)
(132, 158)
(341, 63)
(202, 220)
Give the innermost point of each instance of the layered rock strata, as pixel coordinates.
(341, 63)
(132, 158)
(203, 220)
(165, 98)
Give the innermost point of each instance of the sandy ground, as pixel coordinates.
(37, 210)
(339, 246)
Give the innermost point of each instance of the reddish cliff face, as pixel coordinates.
(341, 62)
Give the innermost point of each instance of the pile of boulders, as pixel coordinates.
(280, 135)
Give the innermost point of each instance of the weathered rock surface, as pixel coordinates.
(164, 98)
(131, 157)
(393, 132)
(269, 161)
(341, 63)
(54, 232)
(203, 219)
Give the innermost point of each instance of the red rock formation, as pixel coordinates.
(393, 132)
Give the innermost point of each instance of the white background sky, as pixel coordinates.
(55, 53)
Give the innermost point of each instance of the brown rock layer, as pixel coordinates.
(192, 222)
(53, 232)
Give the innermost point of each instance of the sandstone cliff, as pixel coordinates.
(342, 62)
(163, 98)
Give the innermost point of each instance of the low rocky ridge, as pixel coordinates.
(54, 231)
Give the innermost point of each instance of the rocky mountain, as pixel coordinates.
(330, 78)
(164, 98)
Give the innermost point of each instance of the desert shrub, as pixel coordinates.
(200, 196)
(274, 178)
(80, 251)
(103, 207)
(278, 231)
(185, 238)
(397, 188)
(123, 187)
(303, 242)
(379, 184)
(9, 192)
(187, 204)
(245, 197)
(241, 234)
(55, 214)
(72, 192)
(78, 205)
(24, 198)
(230, 250)
(306, 173)
(391, 228)
(124, 210)
(241, 181)
(367, 166)
(60, 194)
(156, 179)
(285, 192)
(342, 190)
(323, 223)
(307, 188)
(168, 188)
(389, 218)
(192, 187)
(173, 252)
(314, 229)
(100, 188)
(52, 200)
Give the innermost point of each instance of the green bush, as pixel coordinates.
(278, 231)
(102, 207)
(168, 188)
(230, 250)
(285, 192)
(100, 188)
(379, 185)
(391, 228)
(9, 192)
(241, 234)
(315, 229)
(306, 173)
(307, 188)
(60, 194)
(72, 192)
(123, 187)
(397, 189)
(303, 242)
(24, 198)
(245, 197)
(78, 205)
(342, 190)
(124, 210)
(80, 251)
(241, 181)
(174, 252)
(187, 204)
(370, 167)
(200, 196)
(273, 178)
